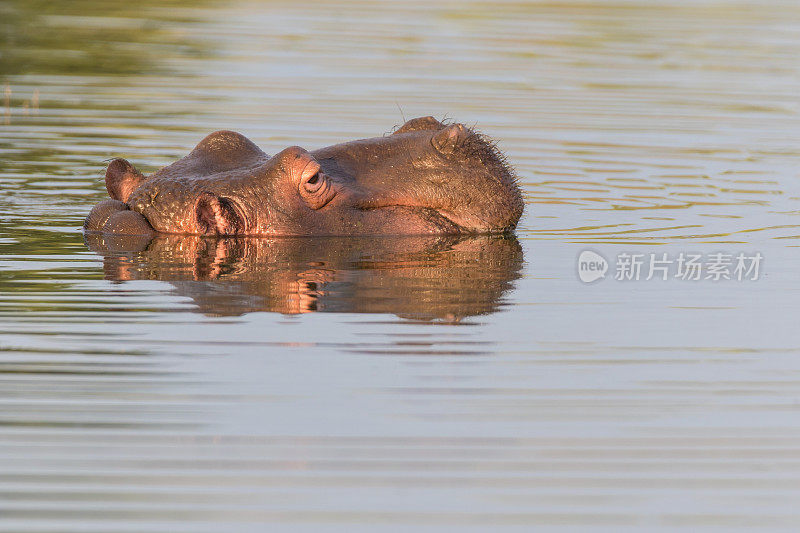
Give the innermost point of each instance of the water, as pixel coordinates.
(391, 384)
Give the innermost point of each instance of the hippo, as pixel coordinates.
(426, 178)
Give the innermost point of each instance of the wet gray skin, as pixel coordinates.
(425, 178)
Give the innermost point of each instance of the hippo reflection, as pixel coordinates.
(418, 277)
(425, 178)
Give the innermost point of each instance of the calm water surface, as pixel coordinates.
(417, 383)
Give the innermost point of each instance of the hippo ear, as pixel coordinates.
(215, 215)
(121, 179)
(420, 123)
(447, 140)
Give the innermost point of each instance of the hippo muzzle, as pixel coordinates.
(113, 216)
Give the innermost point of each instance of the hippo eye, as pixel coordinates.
(316, 189)
(314, 183)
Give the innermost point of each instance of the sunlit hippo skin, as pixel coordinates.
(425, 178)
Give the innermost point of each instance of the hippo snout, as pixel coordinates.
(113, 216)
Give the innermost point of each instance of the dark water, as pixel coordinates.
(406, 383)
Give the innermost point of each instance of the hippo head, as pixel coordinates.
(425, 178)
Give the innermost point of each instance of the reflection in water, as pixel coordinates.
(421, 277)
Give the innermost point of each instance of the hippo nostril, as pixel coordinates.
(313, 179)
(218, 215)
